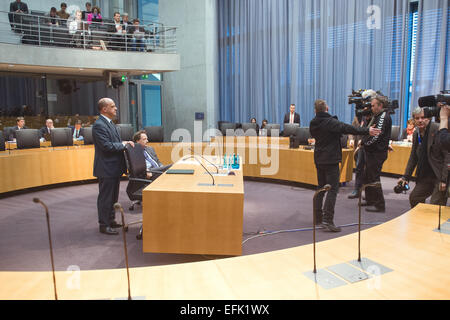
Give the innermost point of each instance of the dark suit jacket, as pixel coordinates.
(43, 133)
(109, 161)
(152, 153)
(73, 129)
(296, 118)
(437, 156)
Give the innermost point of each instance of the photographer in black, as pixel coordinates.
(444, 135)
(327, 131)
(376, 151)
(430, 160)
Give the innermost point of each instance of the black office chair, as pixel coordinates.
(2, 141)
(395, 133)
(272, 128)
(344, 141)
(227, 128)
(137, 177)
(8, 133)
(126, 131)
(61, 137)
(27, 139)
(290, 129)
(87, 136)
(155, 133)
(302, 135)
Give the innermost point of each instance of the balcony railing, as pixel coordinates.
(40, 30)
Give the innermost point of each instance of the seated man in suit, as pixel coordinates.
(77, 131)
(154, 167)
(44, 132)
(20, 124)
(292, 116)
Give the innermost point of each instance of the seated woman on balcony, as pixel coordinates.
(94, 16)
(52, 18)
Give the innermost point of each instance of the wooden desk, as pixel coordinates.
(397, 160)
(418, 256)
(44, 144)
(181, 216)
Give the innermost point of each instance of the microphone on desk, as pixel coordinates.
(195, 153)
(117, 206)
(325, 188)
(37, 200)
(193, 156)
(374, 185)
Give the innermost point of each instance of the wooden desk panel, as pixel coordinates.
(179, 216)
(397, 160)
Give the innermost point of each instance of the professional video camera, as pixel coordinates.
(399, 188)
(430, 103)
(361, 99)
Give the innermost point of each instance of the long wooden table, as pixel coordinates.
(184, 213)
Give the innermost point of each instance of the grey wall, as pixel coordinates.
(195, 87)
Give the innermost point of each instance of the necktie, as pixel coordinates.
(149, 159)
(292, 118)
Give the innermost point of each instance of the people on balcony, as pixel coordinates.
(137, 34)
(85, 13)
(52, 18)
(117, 38)
(16, 9)
(76, 27)
(94, 16)
(62, 13)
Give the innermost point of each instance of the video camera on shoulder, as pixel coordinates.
(362, 98)
(430, 103)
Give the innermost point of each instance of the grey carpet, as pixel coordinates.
(268, 207)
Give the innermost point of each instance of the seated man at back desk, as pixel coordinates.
(44, 132)
(77, 131)
(20, 124)
(154, 167)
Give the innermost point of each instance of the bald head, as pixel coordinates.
(107, 107)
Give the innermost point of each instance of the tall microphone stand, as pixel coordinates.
(37, 200)
(118, 206)
(194, 157)
(375, 185)
(326, 188)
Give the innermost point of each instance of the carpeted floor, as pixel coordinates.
(268, 207)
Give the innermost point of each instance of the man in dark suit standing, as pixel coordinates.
(292, 116)
(16, 9)
(109, 164)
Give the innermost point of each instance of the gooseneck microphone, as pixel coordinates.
(195, 153)
(193, 156)
(37, 200)
(117, 206)
(325, 188)
(374, 185)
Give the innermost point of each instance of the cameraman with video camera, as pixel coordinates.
(430, 161)
(376, 151)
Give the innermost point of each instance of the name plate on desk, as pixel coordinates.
(180, 171)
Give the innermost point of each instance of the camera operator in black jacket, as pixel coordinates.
(430, 162)
(376, 150)
(444, 135)
(327, 131)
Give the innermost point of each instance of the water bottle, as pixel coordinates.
(225, 161)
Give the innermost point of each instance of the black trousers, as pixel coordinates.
(108, 195)
(360, 160)
(425, 188)
(372, 171)
(327, 174)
